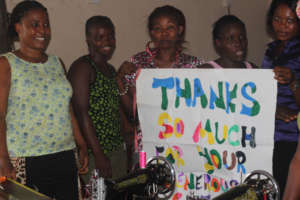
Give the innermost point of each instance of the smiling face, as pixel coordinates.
(232, 43)
(34, 30)
(285, 23)
(101, 40)
(165, 32)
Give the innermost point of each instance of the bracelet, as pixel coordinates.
(125, 90)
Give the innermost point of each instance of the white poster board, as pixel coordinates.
(214, 125)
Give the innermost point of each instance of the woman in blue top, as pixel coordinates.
(38, 131)
(283, 56)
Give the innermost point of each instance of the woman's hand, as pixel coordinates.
(283, 75)
(6, 168)
(127, 68)
(83, 160)
(286, 114)
(103, 164)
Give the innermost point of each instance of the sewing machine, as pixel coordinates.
(258, 185)
(155, 181)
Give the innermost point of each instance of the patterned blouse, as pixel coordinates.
(145, 60)
(104, 109)
(38, 113)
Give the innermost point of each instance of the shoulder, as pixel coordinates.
(293, 46)
(254, 66)
(4, 58)
(140, 54)
(80, 72)
(80, 65)
(140, 57)
(54, 59)
(4, 61)
(112, 67)
(7, 58)
(5, 68)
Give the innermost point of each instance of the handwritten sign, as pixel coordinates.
(214, 125)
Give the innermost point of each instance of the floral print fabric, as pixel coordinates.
(38, 116)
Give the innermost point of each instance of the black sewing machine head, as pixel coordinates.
(156, 181)
(258, 185)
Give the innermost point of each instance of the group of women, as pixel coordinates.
(41, 138)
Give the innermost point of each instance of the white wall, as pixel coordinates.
(67, 18)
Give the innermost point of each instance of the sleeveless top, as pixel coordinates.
(104, 109)
(38, 113)
(217, 66)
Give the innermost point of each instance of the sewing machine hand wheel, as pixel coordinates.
(263, 182)
(164, 177)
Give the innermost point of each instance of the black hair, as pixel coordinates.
(19, 11)
(171, 12)
(292, 4)
(102, 21)
(224, 21)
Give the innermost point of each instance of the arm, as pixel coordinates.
(127, 131)
(295, 87)
(285, 75)
(128, 121)
(79, 76)
(292, 189)
(6, 168)
(128, 90)
(83, 153)
(80, 143)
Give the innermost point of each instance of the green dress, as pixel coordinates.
(104, 109)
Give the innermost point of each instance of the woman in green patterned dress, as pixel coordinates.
(96, 99)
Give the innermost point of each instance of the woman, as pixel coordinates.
(166, 27)
(283, 56)
(96, 100)
(37, 124)
(230, 42)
